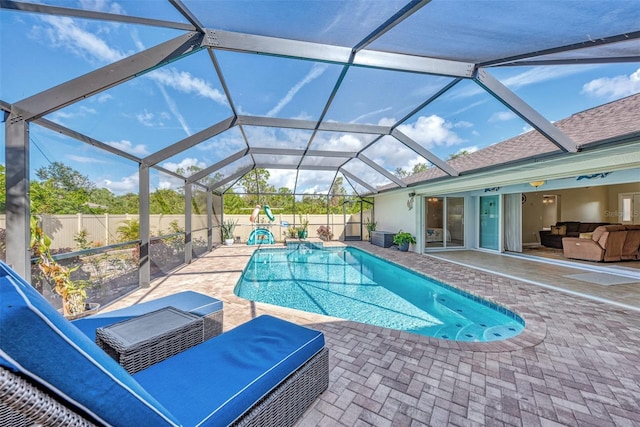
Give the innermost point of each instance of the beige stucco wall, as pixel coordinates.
(392, 213)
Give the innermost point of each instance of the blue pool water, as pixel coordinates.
(351, 284)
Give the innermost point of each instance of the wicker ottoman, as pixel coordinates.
(142, 341)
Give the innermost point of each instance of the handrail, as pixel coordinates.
(90, 251)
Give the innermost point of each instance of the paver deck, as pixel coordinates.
(577, 363)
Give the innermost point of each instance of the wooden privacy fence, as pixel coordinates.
(102, 229)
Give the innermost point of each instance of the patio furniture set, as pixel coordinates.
(162, 362)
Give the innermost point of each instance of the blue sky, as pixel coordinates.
(169, 104)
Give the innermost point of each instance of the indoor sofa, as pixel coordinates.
(264, 372)
(553, 238)
(606, 244)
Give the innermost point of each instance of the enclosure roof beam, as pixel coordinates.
(108, 76)
(381, 170)
(354, 128)
(84, 138)
(408, 10)
(217, 166)
(311, 125)
(90, 14)
(586, 44)
(249, 43)
(277, 151)
(301, 152)
(238, 174)
(184, 10)
(419, 149)
(189, 142)
(524, 111)
(358, 180)
(293, 167)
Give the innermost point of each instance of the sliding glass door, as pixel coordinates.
(444, 222)
(489, 222)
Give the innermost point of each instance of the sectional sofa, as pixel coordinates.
(553, 238)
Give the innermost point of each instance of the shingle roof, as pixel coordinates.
(609, 121)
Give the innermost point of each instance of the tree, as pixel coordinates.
(417, 168)
(62, 190)
(458, 154)
(166, 201)
(255, 183)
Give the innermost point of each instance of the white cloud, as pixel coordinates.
(613, 87)
(463, 124)
(60, 116)
(469, 149)
(65, 32)
(184, 164)
(502, 116)
(128, 147)
(128, 184)
(431, 131)
(174, 109)
(104, 97)
(282, 178)
(102, 6)
(145, 118)
(391, 154)
(542, 74)
(339, 142)
(83, 159)
(184, 82)
(531, 76)
(316, 71)
(386, 121)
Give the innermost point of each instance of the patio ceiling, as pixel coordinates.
(328, 124)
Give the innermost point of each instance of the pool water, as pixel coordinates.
(351, 284)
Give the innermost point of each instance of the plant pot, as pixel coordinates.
(302, 234)
(228, 242)
(89, 309)
(404, 247)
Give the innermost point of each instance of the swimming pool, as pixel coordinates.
(351, 284)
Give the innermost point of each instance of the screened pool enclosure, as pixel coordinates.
(166, 117)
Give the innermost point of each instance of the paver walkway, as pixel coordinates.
(576, 364)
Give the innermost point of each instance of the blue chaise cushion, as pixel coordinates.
(215, 382)
(39, 342)
(193, 302)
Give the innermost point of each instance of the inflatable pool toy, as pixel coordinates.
(254, 215)
(261, 236)
(268, 213)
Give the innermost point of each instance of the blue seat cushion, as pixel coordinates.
(37, 341)
(215, 382)
(192, 302)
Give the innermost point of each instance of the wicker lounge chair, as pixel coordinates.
(264, 372)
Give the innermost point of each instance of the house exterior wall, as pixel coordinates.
(392, 213)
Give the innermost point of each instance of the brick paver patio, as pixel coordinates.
(577, 363)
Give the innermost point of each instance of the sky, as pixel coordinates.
(171, 103)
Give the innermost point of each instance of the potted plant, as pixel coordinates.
(371, 226)
(227, 228)
(73, 293)
(303, 230)
(403, 239)
(324, 233)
